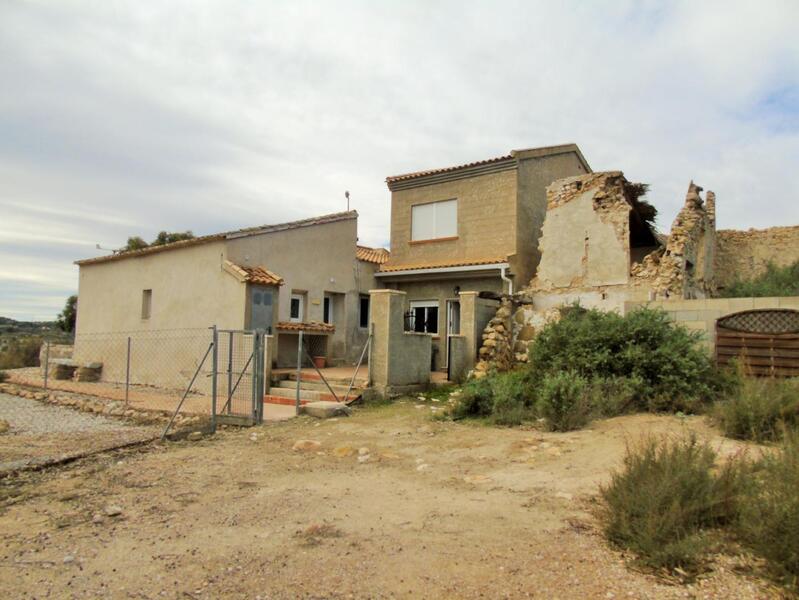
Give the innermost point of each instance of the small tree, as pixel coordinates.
(166, 237)
(134, 243)
(66, 319)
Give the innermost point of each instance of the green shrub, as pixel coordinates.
(613, 396)
(564, 401)
(665, 498)
(3, 376)
(476, 399)
(513, 399)
(644, 346)
(776, 281)
(769, 518)
(759, 409)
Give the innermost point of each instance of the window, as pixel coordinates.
(363, 313)
(424, 315)
(296, 308)
(146, 303)
(434, 220)
(327, 310)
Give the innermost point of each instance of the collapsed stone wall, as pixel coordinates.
(742, 255)
(685, 269)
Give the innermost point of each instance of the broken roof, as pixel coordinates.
(321, 220)
(257, 275)
(377, 256)
(510, 159)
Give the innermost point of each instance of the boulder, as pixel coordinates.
(325, 409)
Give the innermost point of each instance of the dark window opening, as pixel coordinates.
(363, 316)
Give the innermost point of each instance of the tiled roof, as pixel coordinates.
(487, 161)
(372, 255)
(464, 262)
(257, 275)
(321, 220)
(522, 154)
(309, 327)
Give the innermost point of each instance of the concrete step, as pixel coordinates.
(316, 386)
(306, 395)
(313, 377)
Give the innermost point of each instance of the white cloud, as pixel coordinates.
(126, 118)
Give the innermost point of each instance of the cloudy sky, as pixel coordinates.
(125, 118)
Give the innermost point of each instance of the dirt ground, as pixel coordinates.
(389, 504)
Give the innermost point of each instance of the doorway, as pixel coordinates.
(453, 323)
(261, 307)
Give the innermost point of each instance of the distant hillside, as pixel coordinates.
(39, 327)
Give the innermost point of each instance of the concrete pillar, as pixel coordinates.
(469, 329)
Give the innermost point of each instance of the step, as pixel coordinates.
(310, 395)
(315, 386)
(312, 377)
(270, 399)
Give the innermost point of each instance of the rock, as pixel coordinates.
(306, 445)
(363, 458)
(343, 451)
(422, 467)
(113, 510)
(4, 426)
(363, 451)
(325, 409)
(69, 559)
(97, 519)
(477, 479)
(564, 495)
(195, 436)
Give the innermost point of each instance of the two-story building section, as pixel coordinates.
(472, 227)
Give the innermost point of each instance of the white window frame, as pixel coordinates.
(429, 304)
(440, 230)
(301, 298)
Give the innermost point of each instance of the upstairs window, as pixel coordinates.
(297, 308)
(434, 220)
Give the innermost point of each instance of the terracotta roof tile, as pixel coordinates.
(372, 255)
(309, 327)
(258, 275)
(478, 163)
(464, 262)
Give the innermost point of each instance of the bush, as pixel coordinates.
(663, 500)
(3, 376)
(776, 281)
(21, 352)
(502, 396)
(759, 409)
(644, 346)
(769, 519)
(564, 400)
(613, 396)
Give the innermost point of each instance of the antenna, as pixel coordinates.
(347, 196)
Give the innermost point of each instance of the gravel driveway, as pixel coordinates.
(41, 433)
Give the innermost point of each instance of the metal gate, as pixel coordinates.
(239, 358)
(766, 341)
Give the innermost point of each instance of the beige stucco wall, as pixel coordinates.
(190, 289)
(580, 249)
(534, 176)
(701, 315)
(486, 219)
(314, 260)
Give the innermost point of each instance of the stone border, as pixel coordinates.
(102, 406)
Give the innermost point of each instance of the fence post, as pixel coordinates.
(229, 371)
(46, 362)
(127, 374)
(299, 372)
(214, 357)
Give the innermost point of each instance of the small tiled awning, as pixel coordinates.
(466, 262)
(309, 327)
(373, 255)
(256, 275)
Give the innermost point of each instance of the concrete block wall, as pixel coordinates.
(701, 315)
(399, 361)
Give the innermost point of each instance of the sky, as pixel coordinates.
(127, 118)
